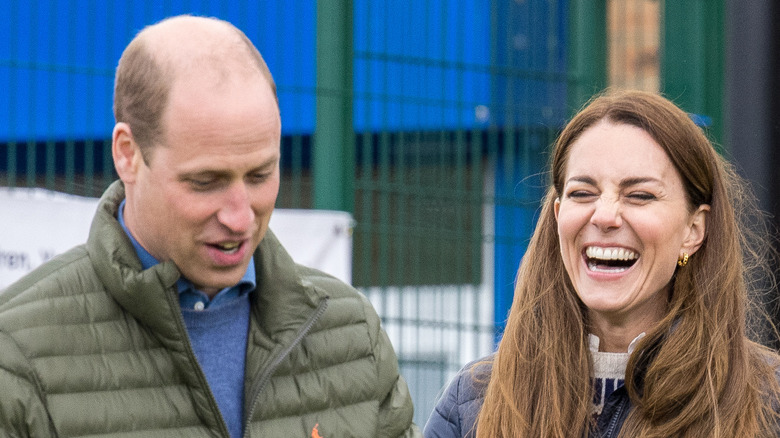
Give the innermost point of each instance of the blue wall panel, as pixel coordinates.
(57, 59)
(419, 65)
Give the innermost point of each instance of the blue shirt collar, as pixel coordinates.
(188, 295)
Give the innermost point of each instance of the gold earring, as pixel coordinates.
(683, 259)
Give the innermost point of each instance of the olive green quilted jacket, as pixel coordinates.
(90, 345)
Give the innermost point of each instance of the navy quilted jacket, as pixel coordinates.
(456, 412)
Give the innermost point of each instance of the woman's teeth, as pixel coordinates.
(594, 252)
(613, 260)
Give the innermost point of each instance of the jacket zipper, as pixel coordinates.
(614, 420)
(174, 303)
(269, 370)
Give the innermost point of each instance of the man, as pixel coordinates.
(182, 315)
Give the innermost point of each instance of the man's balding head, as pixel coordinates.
(177, 47)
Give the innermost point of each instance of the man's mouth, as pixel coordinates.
(611, 260)
(228, 247)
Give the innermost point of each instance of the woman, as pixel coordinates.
(629, 314)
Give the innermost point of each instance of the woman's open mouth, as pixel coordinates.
(609, 260)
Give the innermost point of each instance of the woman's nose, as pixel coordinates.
(606, 214)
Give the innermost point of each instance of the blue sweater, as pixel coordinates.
(218, 336)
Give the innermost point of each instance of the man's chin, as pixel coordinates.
(214, 283)
(212, 279)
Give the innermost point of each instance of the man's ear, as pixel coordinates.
(697, 229)
(127, 154)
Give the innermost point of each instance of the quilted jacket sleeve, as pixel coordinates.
(444, 421)
(455, 414)
(22, 411)
(396, 410)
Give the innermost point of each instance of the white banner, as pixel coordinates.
(37, 224)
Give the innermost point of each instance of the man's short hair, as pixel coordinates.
(143, 82)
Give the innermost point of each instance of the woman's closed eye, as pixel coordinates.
(641, 196)
(581, 195)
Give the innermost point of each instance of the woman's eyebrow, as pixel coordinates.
(582, 179)
(628, 182)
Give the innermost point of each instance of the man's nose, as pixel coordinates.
(607, 214)
(236, 213)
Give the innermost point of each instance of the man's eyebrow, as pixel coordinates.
(213, 173)
(219, 173)
(271, 162)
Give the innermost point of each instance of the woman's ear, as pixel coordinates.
(697, 228)
(126, 153)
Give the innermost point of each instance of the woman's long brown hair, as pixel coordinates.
(697, 373)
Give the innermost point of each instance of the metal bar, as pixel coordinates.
(587, 50)
(334, 140)
(692, 62)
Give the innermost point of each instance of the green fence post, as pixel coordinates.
(692, 59)
(587, 50)
(334, 139)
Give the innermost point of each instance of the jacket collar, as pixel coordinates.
(141, 292)
(282, 300)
